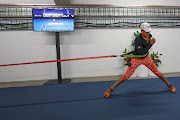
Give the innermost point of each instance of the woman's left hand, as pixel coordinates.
(152, 41)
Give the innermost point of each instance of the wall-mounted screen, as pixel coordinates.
(53, 20)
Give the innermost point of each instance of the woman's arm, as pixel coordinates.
(139, 47)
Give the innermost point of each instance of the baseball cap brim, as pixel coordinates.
(148, 30)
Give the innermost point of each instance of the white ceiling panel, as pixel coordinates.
(94, 2)
(28, 2)
(129, 2)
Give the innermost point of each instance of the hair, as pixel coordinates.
(140, 25)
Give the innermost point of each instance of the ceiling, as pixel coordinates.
(62, 2)
(119, 2)
(94, 2)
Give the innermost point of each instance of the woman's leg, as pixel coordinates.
(148, 62)
(134, 64)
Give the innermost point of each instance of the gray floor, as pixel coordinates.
(75, 80)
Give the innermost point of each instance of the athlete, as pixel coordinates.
(143, 43)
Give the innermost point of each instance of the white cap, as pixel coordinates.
(146, 27)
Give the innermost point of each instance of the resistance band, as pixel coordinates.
(60, 60)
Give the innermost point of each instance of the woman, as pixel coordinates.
(143, 43)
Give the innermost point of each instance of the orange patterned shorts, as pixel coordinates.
(135, 62)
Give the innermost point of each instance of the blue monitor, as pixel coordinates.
(53, 20)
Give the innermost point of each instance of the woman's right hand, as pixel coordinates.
(152, 41)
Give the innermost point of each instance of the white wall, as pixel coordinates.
(27, 46)
(86, 43)
(168, 44)
(90, 43)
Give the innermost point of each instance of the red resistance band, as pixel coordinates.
(59, 60)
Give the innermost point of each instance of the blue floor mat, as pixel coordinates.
(140, 99)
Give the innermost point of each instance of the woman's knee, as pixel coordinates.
(125, 77)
